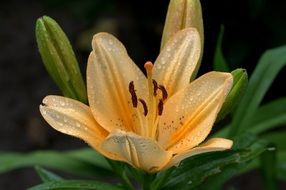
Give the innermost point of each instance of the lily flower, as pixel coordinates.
(152, 122)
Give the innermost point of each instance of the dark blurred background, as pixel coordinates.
(251, 27)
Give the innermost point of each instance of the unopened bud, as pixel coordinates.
(59, 58)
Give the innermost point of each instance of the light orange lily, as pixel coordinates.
(150, 122)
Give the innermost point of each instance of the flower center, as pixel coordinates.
(154, 106)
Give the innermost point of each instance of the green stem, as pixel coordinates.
(127, 181)
(147, 181)
(157, 184)
(120, 171)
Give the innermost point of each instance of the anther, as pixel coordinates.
(133, 94)
(144, 106)
(155, 87)
(160, 107)
(164, 92)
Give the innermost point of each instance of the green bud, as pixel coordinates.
(240, 81)
(59, 58)
(183, 14)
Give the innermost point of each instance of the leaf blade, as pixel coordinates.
(57, 160)
(75, 184)
(268, 67)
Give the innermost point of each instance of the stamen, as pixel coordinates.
(133, 94)
(144, 106)
(160, 107)
(164, 92)
(155, 84)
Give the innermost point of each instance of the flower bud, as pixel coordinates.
(240, 81)
(59, 58)
(183, 14)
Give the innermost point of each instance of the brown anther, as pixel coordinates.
(133, 94)
(144, 106)
(164, 92)
(155, 88)
(160, 107)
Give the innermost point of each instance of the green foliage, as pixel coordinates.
(268, 164)
(76, 184)
(276, 138)
(59, 58)
(250, 116)
(268, 116)
(85, 162)
(46, 176)
(193, 172)
(267, 69)
(219, 62)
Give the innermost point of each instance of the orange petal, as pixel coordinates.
(178, 60)
(214, 144)
(189, 115)
(143, 153)
(74, 118)
(109, 72)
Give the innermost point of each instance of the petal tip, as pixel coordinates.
(102, 37)
(228, 143)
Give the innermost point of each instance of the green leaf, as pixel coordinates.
(161, 179)
(59, 58)
(268, 67)
(281, 166)
(47, 176)
(240, 81)
(219, 62)
(195, 170)
(216, 182)
(276, 138)
(84, 162)
(268, 116)
(75, 184)
(268, 165)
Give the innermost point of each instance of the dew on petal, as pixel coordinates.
(110, 42)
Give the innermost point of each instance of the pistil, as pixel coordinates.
(152, 86)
